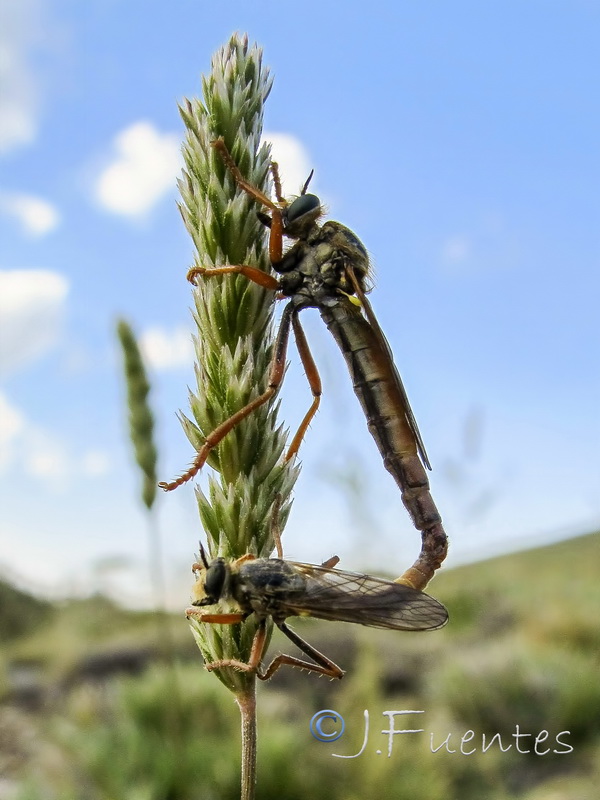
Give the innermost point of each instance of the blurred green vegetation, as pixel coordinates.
(88, 708)
(20, 612)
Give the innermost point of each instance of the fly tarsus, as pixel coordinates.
(332, 670)
(322, 665)
(251, 273)
(219, 433)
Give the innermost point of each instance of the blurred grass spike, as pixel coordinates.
(141, 419)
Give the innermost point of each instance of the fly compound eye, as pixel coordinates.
(305, 204)
(214, 581)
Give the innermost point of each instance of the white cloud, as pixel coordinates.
(11, 420)
(95, 463)
(37, 216)
(293, 160)
(164, 349)
(18, 98)
(27, 448)
(32, 305)
(456, 249)
(45, 458)
(144, 168)
(12, 423)
(490, 244)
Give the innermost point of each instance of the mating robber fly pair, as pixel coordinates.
(326, 268)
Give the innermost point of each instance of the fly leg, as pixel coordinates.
(258, 644)
(254, 192)
(331, 562)
(322, 665)
(275, 379)
(253, 664)
(277, 183)
(275, 526)
(276, 221)
(252, 273)
(262, 279)
(314, 380)
(214, 619)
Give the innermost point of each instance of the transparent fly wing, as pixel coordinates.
(385, 346)
(351, 597)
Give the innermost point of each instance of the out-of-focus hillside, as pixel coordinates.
(88, 698)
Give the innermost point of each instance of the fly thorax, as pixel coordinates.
(303, 282)
(291, 282)
(347, 249)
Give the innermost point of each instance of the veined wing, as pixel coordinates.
(385, 346)
(335, 594)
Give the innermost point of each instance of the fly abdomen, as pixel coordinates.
(375, 383)
(412, 480)
(373, 380)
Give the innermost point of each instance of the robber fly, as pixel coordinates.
(272, 587)
(328, 268)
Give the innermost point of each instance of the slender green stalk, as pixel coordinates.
(233, 346)
(141, 431)
(247, 704)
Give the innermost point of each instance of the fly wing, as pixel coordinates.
(335, 594)
(380, 336)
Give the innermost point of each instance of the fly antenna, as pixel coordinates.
(203, 555)
(308, 180)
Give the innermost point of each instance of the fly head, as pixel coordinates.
(301, 215)
(210, 585)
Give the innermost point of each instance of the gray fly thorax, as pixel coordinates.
(263, 583)
(314, 270)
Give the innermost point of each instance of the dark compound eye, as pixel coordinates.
(214, 580)
(302, 205)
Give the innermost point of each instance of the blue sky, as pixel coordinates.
(458, 140)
